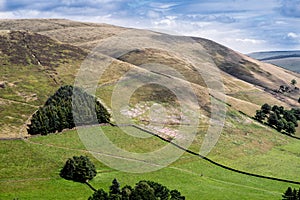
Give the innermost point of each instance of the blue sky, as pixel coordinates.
(243, 25)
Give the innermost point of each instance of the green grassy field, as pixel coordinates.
(30, 169)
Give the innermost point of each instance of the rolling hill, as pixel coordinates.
(37, 56)
(287, 59)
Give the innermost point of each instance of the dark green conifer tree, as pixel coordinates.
(68, 105)
(79, 169)
(99, 195)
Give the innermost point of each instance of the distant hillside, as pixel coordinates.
(287, 59)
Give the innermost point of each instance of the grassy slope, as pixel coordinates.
(30, 169)
(60, 68)
(32, 67)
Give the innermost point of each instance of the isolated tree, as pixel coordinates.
(99, 195)
(293, 82)
(79, 169)
(299, 100)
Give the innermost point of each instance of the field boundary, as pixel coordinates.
(214, 162)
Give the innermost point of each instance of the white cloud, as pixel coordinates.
(251, 41)
(163, 22)
(169, 21)
(163, 5)
(280, 22)
(293, 35)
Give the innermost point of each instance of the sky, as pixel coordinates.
(243, 25)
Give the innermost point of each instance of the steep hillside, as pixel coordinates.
(245, 68)
(31, 66)
(39, 55)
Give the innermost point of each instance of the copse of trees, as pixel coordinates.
(288, 88)
(291, 194)
(146, 190)
(68, 105)
(81, 169)
(78, 169)
(279, 118)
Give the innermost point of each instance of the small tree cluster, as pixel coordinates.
(68, 105)
(146, 190)
(291, 194)
(279, 118)
(287, 88)
(79, 169)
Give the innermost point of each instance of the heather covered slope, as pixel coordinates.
(39, 55)
(32, 67)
